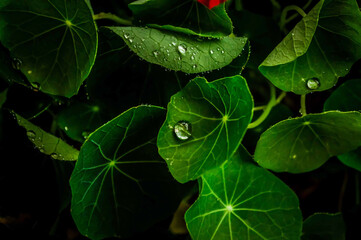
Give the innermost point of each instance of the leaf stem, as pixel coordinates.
(303, 105)
(112, 17)
(267, 108)
(283, 20)
(278, 100)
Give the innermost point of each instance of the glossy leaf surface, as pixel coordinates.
(347, 98)
(324, 226)
(304, 144)
(218, 114)
(48, 143)
(242, 201)
(181, 52)
(323, 46)
(120, 184)
(186, 16)
(54, 42)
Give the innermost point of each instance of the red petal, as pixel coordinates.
(211, 3)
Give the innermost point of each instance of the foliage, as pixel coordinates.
(160, 103)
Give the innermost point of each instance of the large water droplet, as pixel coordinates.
(182, 49)
(16, 63)
(182, 130)
(31, 134)
(313, 83)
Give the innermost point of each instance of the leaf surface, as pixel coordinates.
(242, 201)
(185, 16)
(48, 143)
(54, 42)
(347, 98)
(181, 52)
(324, 226)
(319, 47)
(304, 144)
(218, 114)
(120, 184)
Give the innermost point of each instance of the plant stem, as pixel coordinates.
(303, 105)
(278, 100)
(272, 102)
(112, 17)
(283, 20)
(293, 16)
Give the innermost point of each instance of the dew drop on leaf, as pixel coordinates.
(36, 85)
(182, 130)
(182, 49)
(16, 63)
(126, 35)
(211, 52)
(31, 134)
(156, 53)
(313, 83)
(194, 66)
(54, 155)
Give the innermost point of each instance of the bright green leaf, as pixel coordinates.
(54, 42)
(347, 98)
(216, 114)
(304, 144)
(48, 143)
(120, 184)
(320, 48)
(186, 16)
(324, 226)
(181, 52)
(240, 201)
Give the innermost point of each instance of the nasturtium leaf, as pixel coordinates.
(78, 120)
(120, 184)
(181, 52)
(8, 71)
(347, 98)
(305, 143)
(324, 226)
(321, 48)
(185, 16)
(240, 201)
(54, 42)
(204, 126)
(48, 143)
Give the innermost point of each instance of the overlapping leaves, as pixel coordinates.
(120, 185)
(323, 46)
(240, 200)
(218, 114)
(54, 42)
(304, 144)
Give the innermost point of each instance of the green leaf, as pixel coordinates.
(120, 184)
(185, 16)
(347, 98)
(54, 42)
(324, 226)
(304, 144)
(240, 201)
(181, 52)
(3, 95)
(78, 120)
(217, 115)
(319, 48)
(48, 143)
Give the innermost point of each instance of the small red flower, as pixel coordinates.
(211, 3)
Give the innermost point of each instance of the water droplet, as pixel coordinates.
(222, 51)
(36, 85)
(173, 43)
(142, 39)
(313, 83)
(54, 155)
(126, 35)
(171, 163)
(66, 128)
(85, 134)
(182, 49)
(130, 40)
(182, 130)
(156, 53)
(16, 63)
(194, 66)
(211, 51)
(31, 134)
(192, 57)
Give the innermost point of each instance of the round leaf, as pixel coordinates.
(218, 114)
(54, 42)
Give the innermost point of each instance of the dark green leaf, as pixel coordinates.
(217, 115)
(347, 98)
(324, 226)
(181, 52)
(186, 16)
(120, 184)
(240, 201)
(319, 48)
(304, 144)
(54, 42)
(3, 97)
(47, 143)
(7, 70)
